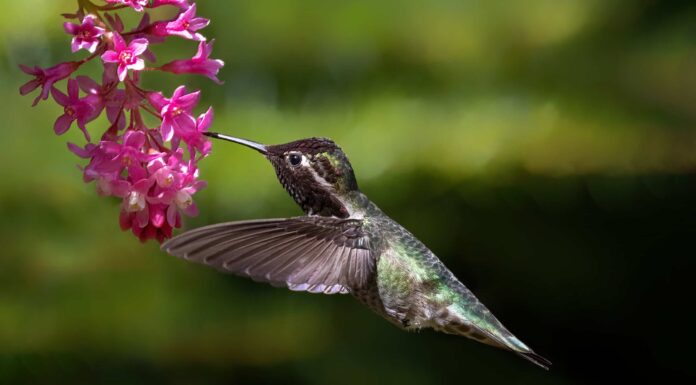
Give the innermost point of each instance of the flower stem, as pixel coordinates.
(151, 111)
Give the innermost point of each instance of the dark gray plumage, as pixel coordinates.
(318, 255)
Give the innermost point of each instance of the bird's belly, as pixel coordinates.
(369, 296)
(404, 288)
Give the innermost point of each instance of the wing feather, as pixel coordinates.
(320, 249)
(314, 254)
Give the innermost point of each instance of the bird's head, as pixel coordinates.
(314, 171)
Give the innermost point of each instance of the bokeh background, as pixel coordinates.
(543, 149)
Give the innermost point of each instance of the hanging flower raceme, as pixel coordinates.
(153, 170)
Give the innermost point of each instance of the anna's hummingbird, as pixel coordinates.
(345, 244)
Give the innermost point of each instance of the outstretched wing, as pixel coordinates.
(314, 254)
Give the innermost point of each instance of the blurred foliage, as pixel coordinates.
(543, 149)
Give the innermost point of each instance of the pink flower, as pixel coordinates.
(138, 5)
(108, 181)
(142, 31)
(75, 109)
(196, 140)
(84, 153)
(106, 96)
(164, 170)
(112, 186)
(86, 35)
(150, 230)
(100, 164)
(176, 183)
(155, 210)
(135, 201)
(183, 4)
(183, 198)
(46, 78)
(154, 177)
(176, 112)
(94, 93)
(130, 154)
(200, 64)
(185, 25)
(114, 99)
(110, 158)
(126, 56)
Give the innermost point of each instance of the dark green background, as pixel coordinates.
(543, 149)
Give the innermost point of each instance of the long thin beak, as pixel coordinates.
(256, 146)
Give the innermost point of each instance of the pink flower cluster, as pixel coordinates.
(153, 170)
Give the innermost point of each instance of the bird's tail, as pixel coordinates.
(490, 332)
(535, 359)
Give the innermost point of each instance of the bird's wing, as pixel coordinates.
(314, 254)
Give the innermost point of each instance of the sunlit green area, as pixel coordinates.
(545, 150)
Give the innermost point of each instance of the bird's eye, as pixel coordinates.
(295, 159)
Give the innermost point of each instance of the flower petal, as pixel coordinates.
(198, 23)
(138, 46)
(62, 124)
(205, 120)
(184, 124)
(139, 174)
(172, 212)
(88, 85)
(81, 152)
(70, 28)
(120, 188)
(125, 220)
(110, 56)
(188, 13)
(191, 210)
(178, 92)
(119, 43)
(60, 97)
(73, 90)
(167, 131)
(30, 71)
(134, 139)
(122, 71)
(143, 185)
(157, 100)
(157, 215)
(188, 101)
(139, 65)
(29, 86)
(143, 216)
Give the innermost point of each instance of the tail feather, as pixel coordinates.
(508, 342)
(535, 359)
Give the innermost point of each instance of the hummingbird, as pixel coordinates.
(344, 245)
